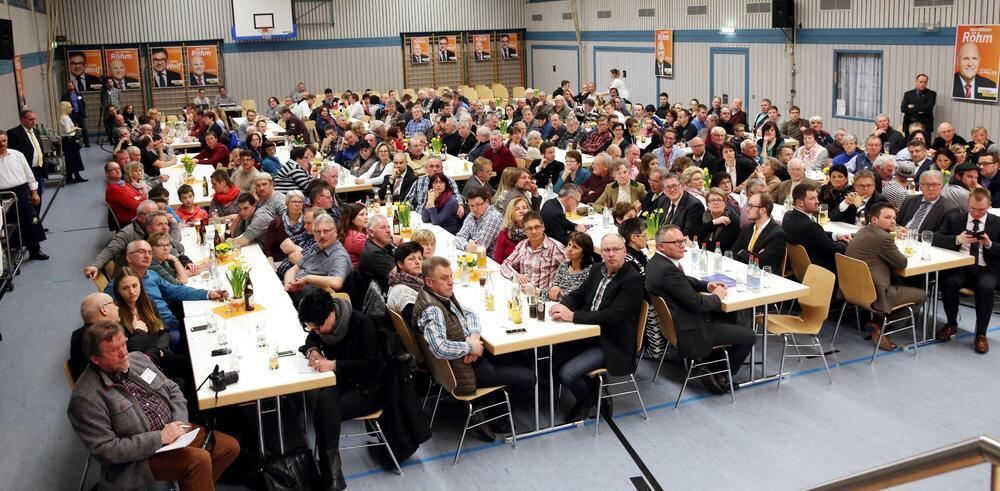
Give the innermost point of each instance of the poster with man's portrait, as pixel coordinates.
(167, 63)
(664, 53)
(85, 69)
(977, 63)
(445, 52)
(481, 47)
(203, 65)
(123, 67)
(508, 46)
(419, 50)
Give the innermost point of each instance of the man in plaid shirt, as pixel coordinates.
(535, 259)
(482, 226)
(418, 192)
(418, 124)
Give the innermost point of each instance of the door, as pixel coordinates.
(553, 64)
(729, 74)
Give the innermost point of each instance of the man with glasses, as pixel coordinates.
(988, 179)
(858, 204)
(700, 156)
(698, 331)
(162, 76)
(481, 226)
(148, 220)
(325, 267)
(925, 211)
(554, 213)
(763, 238)
(973, 233)
(78, 73)
(535, 260)
(682, 208)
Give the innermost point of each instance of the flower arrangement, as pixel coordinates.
(436, 145)
(223, 249)
(189, 164)
(299, 141)
(826, 170)
(403, 214)
(503, 126)
(946, 174)
(654, 220)
(499, 102)
(237, 275)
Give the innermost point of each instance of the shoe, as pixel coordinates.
(80, 179)
(709, 381)
(946, 332)
(70, 180)
(608, 407)
(885, 344)
(86, 145)
(330, 473)
(577, 414)
(982, 345)
(723, 380)
(38, 256)
(483, 431)
(501, 426)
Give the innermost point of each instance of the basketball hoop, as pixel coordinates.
(265, 33)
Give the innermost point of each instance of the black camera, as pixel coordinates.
(222, 379)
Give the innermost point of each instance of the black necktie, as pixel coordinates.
(670, 213)
(163, 80)
(80, 85)
(974, 247)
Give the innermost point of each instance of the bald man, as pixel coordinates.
(968, 83)
(96, 307)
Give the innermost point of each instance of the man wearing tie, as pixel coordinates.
(162, 77)
(444, 54)
(506, 52)
(972, 233)
(480, 55)
(199, 76)
(682, 208)
(79, 114)
(926, 211)
(78, 73)
(764, 238)
(969, 84)
(24, 139)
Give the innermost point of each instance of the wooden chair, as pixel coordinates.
(471, 94)
(522, 163)
(485, 92)
(602, 373)
(101, 282)
(670, 333)
(113, 224)
(517, 92)
(500, 91)
(371, 421)
(405, 334)
(799, 259)
(858, 288)
(248, 104)
(411, 92)
(815, 309)
(335, 294)
(311, 127)
(442, 372)
(442, 89)
(71, 383)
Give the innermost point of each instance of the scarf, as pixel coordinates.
(225, 199)
(443, 198)
(400, 278)
(342, 312)
(292, 229)
(516, 234)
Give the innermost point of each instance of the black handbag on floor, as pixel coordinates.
(295, 471)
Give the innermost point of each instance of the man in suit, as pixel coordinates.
(663, 66)
(860, 202)
(796, 177)
(918, 105)
(800, 228)
(198, 75)
(925, 211)
(968, 84)
(697, 331)
(444, 54)
(655, 199)
(118, 77)
(554, 213)
(481, 170)
(700, 156)
(682, 209)
(764, 238)
(24, 139)
(988, 177)
(973, 233)
(162, 77)
(78, 73)
(610, 297)
(506, 51)
(79, 114)
(873, 245)
(417, 55)
(478, 54)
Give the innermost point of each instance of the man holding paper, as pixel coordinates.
(124, 410)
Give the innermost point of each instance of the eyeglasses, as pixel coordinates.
(105, 304)
(676, 243)
(671, 186)
(533, 228)
(716, 200)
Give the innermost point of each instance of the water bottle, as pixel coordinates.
(606, 217)
(717, 258)
(703, 259)
(753, 275)
(788, 202)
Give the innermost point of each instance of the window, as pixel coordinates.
(835, 4)
(759, 8)
(24, 4)
(857, 86)
(40, 6)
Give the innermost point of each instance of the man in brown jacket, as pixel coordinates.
(873, 245)
(124, 410)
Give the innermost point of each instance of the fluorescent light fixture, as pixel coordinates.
(727, 30)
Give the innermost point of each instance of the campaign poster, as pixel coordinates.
(123, 67)
(481, 47)
(22, 98)
(85, 69)
(419, 50)
(664, 49)
(977, 63)
(508, 46)
(446, 49)
(167, 66)
(203, 65)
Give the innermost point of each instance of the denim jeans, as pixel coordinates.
(573, 374)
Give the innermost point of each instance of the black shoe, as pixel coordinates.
(608, 407)
(577, 414)
(86, 145)
(501, 426)
(80, 179)
(483, 431)
(71, 180)
(723, 380)
(331, 475)
(709, 381)
(38, 256)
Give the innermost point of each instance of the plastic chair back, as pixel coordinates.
(406, 336)
(665, 318)
(799, 259)
(816, 305)
(856, 282)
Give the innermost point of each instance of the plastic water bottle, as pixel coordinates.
(703, 259)
(753, 275)
(606, 217)
(717, 258)
(695, 254)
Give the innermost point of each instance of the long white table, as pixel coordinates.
(275, 314)
(176, 173)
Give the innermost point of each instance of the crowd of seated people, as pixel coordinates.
(716, 175)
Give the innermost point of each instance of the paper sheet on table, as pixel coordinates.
(726, 280)
(181, 441)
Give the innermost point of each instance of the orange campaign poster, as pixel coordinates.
(664, 53)
(22, 98)
(977, 63)
(445, 52)
(203, 65)
(167, 64)
(85, 69)
(123, 67)
(419, 50)
(481, 47)
(508, 46)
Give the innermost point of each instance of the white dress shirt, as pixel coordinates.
(14, 171)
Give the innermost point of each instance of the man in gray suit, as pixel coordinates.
(481, 170)
(926, 211)
(797, 175)
(873, 245)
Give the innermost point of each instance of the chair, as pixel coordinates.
(442, 89)
(858, 288)
(311, 126)
(71, 382)
(442, 372)
(371, 421)
(815, 308)
(113, 224)
(101, 282)
(485, 92)
(522, 163)
(799, 259)
(335, 294)
(109, 270)
(601, 373)
(470, 94)
(500, 91)
(517, 92)
(171, 118)
(411, 92)
(670, 332)
(405, 334)
(248, 104)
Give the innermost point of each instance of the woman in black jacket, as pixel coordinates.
(720, 223)
(343, 342)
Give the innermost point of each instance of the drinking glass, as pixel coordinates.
(213, 324)
(222, 340)
(727, 263)
(261, 338)
(824, 214)
(765, 277)
(926, 237)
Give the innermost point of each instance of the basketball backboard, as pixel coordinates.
(262, 19)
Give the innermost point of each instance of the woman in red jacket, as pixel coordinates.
(511, 232)
(215, 153)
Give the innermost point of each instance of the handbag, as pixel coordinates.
(295, 471)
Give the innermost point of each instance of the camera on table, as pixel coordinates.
(222, 379)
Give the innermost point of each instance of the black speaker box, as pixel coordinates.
(782, 14)
(6, 39)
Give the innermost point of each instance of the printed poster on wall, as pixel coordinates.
(664, 53)
(123, 67)
(85, 69)
(481, 47)
(22, 98)
(203, 65)
(508, 46)
(419, 50)
(977, 63)
(167, 64)
(446, 49)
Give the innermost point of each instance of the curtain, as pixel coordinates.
(858, 88)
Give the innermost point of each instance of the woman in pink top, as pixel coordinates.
(352, 230)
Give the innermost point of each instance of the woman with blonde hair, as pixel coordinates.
(511, 231)
(69, 133)
(426, 239)
(693, 179)
(134, 177)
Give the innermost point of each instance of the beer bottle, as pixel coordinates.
(204, 186)
(248, 303)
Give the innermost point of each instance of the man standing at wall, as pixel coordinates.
(918, 105)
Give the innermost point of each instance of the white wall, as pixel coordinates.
(30, 39)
